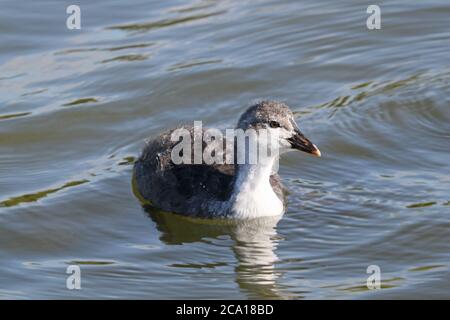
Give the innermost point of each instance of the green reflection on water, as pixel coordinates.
(163, 23)
(14, 115)
(426, 268)
(33, 197)
(80, 101)
(421, 204)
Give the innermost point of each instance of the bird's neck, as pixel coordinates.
(253, 195)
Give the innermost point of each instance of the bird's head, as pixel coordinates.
(278, 121)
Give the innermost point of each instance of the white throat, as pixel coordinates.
(253, 195)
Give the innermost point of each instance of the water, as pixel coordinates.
(76, 105)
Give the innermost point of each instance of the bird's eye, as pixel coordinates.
(274, 124)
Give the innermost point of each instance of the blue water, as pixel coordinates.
(76, 105)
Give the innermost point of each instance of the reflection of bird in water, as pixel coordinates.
(255, 242)
(242, 190)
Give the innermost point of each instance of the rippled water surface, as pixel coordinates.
(76, 105)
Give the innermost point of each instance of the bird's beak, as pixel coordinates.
(300, 142)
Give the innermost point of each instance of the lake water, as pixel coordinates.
(76, 105)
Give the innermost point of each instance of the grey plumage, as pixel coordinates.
(201, 190)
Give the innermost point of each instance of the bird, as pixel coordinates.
(223, 189)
